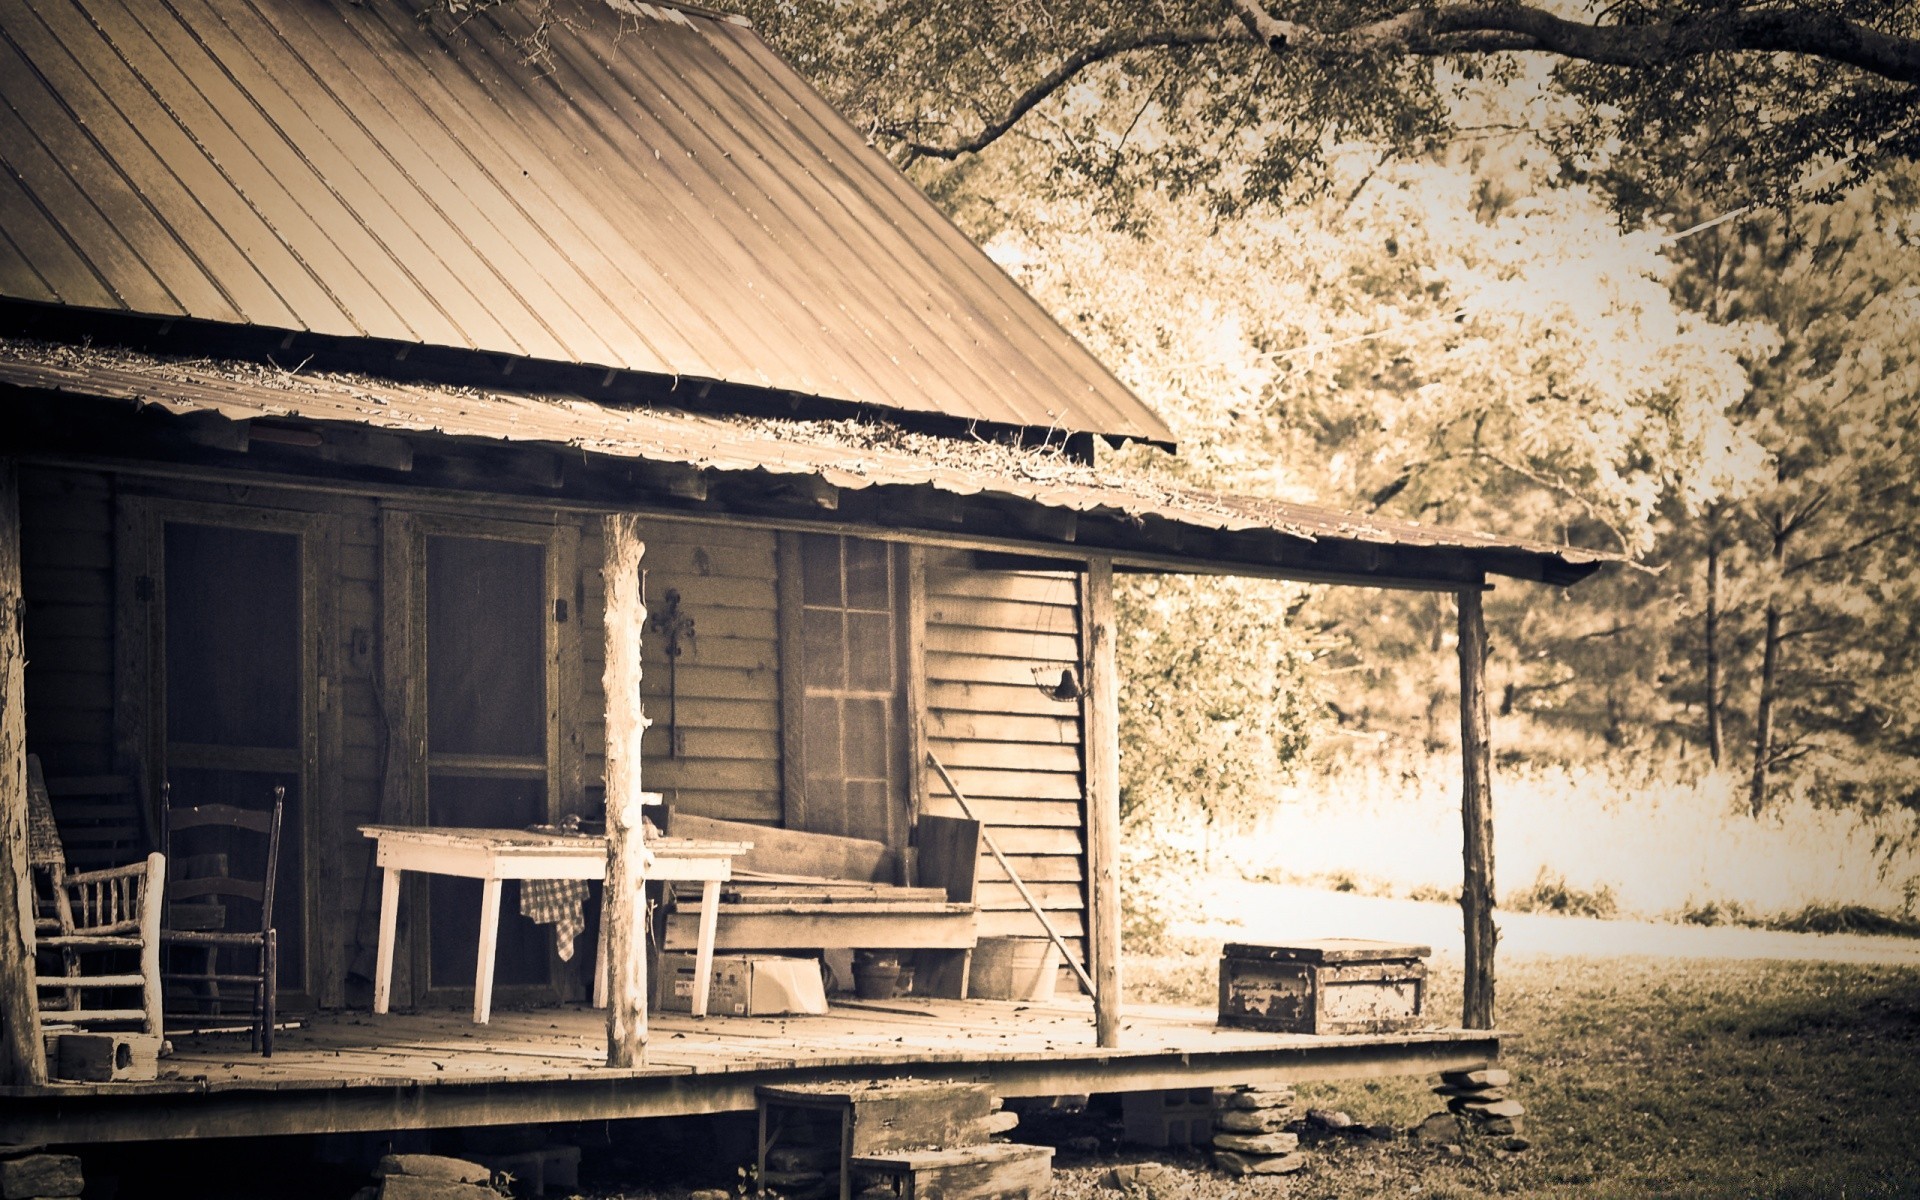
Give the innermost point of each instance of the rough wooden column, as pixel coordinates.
(1102, 741)
(22, 1059)
(1476, 815)
(623, 902)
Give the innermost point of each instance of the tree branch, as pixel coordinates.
(1087, 56)
(1484, 27)
(1489, 27)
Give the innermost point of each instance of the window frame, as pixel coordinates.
(906, 575)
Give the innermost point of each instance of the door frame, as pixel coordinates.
(403, 658)
(140, 692)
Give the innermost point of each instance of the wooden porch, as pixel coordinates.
(352, 1071)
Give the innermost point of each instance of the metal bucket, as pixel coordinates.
(1013, 968)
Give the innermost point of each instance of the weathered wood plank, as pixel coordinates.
(1017, 785)
(1010, 615)
(790, 851)
(1038, 647)
(1032, 698)
(1028, 587)
(1004, 727)
(1054, 897)
(1005, 756)
(700, 681)
(1004, 813)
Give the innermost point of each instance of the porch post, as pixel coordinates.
(1476, 814)
(623, 901)
(1102, 734)
(22, 1057)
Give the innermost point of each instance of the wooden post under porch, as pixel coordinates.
(623, 906)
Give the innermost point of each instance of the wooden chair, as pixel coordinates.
(85, 917)
(103, 820)
(217, 907)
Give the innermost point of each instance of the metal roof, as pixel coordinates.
(850, 455)
(596, 182)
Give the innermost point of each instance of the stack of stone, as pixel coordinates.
(1250, 1135)
(28, 1175)
(1480, 1098)
(430, 1177)
(802, 1172)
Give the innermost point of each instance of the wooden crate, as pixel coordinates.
(1338, 985)
(849, 1120)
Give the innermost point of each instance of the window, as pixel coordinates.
(850, 777)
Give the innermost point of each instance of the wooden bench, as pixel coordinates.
(813, 891)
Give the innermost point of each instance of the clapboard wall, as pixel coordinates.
(996, 644)
(722, 706)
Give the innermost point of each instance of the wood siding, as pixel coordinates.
(66, 521)
(726, 762)
(996, 643)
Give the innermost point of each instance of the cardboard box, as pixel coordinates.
(744, 985)
(1340, 985)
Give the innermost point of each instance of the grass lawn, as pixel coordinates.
(1652, 1077)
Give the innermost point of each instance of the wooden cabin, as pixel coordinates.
(349, 354)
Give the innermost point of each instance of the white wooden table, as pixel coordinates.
(495, 855)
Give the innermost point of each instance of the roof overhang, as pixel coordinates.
(72, 403)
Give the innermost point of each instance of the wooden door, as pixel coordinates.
(487, 613)
(226, 602)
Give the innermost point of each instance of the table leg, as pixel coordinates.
(600, 958)
(489, 936)
(703, 949)
(389, 917)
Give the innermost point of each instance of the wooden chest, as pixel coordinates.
(1337, 985)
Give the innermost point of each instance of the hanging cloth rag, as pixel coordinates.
(559, 903)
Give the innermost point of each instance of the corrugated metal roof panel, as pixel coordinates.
(850, 455)
(586, 181)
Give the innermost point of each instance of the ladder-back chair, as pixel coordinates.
(95, 922)
(220, 903)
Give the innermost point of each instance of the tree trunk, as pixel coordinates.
(1102, 711)
(1763, 714)
(1716, 738)
(1476, 815)
(624, 899)
(22, 1060)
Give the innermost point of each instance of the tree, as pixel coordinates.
(1821, 563)
(1242, 100)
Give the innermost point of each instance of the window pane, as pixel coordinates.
(233, 636)
(823, 737)
(870, 652)
(826, 655)
(820, 569)
(486, 647)
(868, 755)
(867, 574)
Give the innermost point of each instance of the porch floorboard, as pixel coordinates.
(352, 1071)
